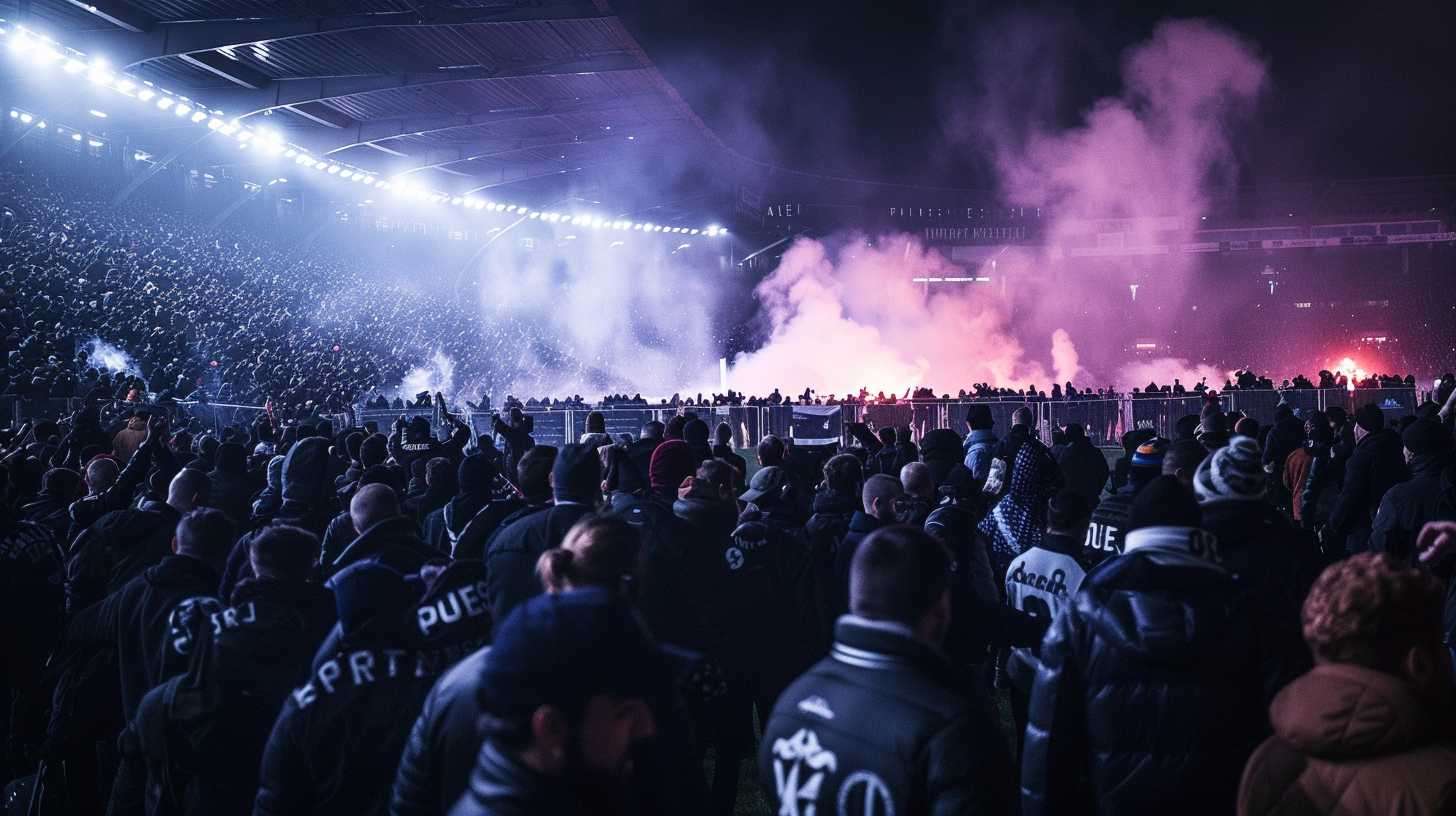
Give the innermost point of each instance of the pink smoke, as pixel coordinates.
(856, 318)
(852, 317)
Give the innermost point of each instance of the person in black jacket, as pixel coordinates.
(232, 488)
(475, 482)
(568, 694)
(413, 440)
(998, 481)
(1285, 437)
(1430, 495)
(1084, 468)
(386, 535)
(880, 499)
(307, 504)
(59, 487)
(510, 560)
(1153, 684)
(834, 505)
(32, 605)
(1372, 468)
(934, 747)
(516, 434)
(1109, 519)
(201, 735)
(337, 742)
(723, 449)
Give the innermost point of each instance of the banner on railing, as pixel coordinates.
(816, 425)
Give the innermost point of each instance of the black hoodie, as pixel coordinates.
(307, 503)
(201, 735)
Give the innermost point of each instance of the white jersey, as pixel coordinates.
(1041, 583)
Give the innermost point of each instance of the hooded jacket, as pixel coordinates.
(1351, 740)
(1430, 495)
(1152, 686)
(200, 735)
(825, 529)
(394, 542)
(1084, 469)
(1374, 467)
(510, 561)
(307, 498)
(141, 621)
(337, 743)
(933, 748)
(670, 567)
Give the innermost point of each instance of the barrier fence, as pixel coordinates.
(1105, 420)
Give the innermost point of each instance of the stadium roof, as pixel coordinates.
(543, 100)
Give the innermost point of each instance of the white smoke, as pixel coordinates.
(110, 357)
(436, 375)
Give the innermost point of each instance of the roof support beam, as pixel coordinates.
(443, 159)
(118, 13)
(286, 92)
(164, 38)
(231, 70)
(372, 134)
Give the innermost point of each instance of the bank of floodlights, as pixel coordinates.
(40, 50)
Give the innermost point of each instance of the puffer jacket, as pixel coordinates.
(1354, 741)
(1374, 467)
(511, 556)
(502, 785)
(934, 747)
(307, 504)
(1152, 688)
(441, 753)
(394, 542)
(670, 571)
(1430, 495)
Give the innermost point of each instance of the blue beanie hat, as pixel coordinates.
(564, 649)
(1150, 454)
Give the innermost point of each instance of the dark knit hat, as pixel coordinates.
(695, 432)
(577, 474)
(563, 649)
(978, 417)
(1165, 502)
(941, 442)
(475, 474)
(1369, 417)
(672, 462)
(1150, 453)
(367, 591)
(1425, 437)
(1232, 472)
(374, 450)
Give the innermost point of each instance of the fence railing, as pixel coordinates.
(1105, 420)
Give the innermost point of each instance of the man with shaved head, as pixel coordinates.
(385, 535)
(919, 499)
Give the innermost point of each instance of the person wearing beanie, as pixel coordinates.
(596, 436)
(1247, 426)
(336, 743)
(1152, 684)
(1429, 494)
(695, 434)
(1109, 518)
(511, 556)
(231, 486)
(570, 692)
(1213, 430)
(1257, 542)
(1083, 466)
(940, 450)
(1182, 460)
(1373, 467)
(1285, 436)
(461, 528)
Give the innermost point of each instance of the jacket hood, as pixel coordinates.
(706, 513)
(400, 531)
(180, 570)
(1343, 711)
(306, 474)
(828, 501)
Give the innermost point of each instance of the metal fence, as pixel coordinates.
(1105, 420)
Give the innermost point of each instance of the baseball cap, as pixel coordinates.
(767, 480)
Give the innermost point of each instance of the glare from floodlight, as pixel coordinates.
(245, 135)
(214, 124)
(535, 214)
(20, 43)
(14, 114)
(26, 118)
(73, 66)
(289, 153)
(99, 75)
(198, 116)
(125, 85)
(165, 102)
(369, 181)
(693, 232)
(229, 129)
(333, 169)
(146, 93)
(94, 142)
(182, 109)
(41, 124)
(75, 137)
(98, 114)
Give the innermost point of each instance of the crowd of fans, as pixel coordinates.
(298, 618)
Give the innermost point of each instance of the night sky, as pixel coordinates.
(862, 88)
